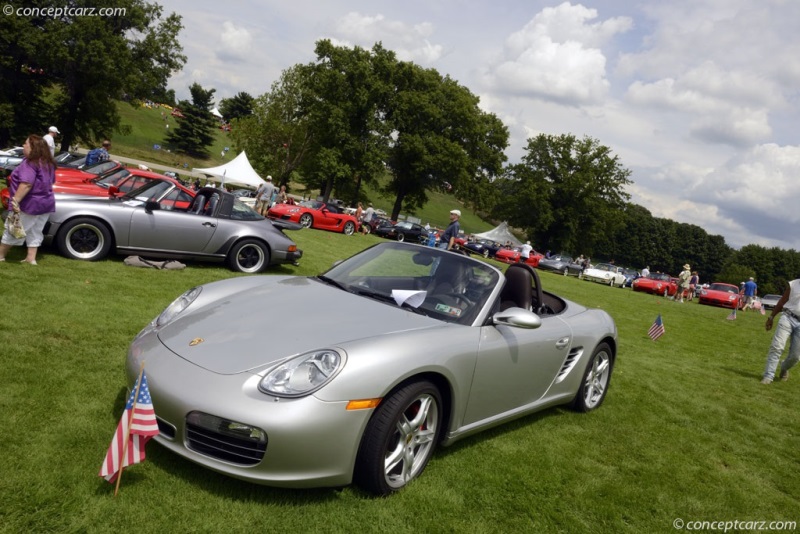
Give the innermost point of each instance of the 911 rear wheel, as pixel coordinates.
(399, 439)
(249, 256)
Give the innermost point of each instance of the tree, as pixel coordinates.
(70, 71)
(277, 135)
(195, 130)
(583, 187)
(439, 135)
(239, 106)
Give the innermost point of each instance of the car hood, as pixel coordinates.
(253, 326)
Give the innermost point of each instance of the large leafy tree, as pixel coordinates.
(583, 187)
(349, 88)
(195, 130)
(70, 71)
(440, 135)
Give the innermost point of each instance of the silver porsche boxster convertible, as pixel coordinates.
(160, 220)
(427, 346)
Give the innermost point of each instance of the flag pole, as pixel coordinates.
(128, 430)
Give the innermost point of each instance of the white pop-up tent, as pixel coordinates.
(500, 234)
(237, 171)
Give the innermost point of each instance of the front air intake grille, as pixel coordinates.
(225, 440)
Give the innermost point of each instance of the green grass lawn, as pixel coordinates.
(686, 432)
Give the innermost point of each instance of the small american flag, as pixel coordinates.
(732, 315)
(143, 426)
(657, 330)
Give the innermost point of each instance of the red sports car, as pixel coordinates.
(315, 214)
(719, 294)
(122, 180)
(511, 255)
(656, 283)
(71, 174)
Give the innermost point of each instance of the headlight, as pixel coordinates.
(303, 374)
(177, 306)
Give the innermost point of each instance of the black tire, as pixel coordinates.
(401, 237)
(349, 228)
(306, 220)
(85, 239)
(249, 256)
(595, 380)
(405, 427)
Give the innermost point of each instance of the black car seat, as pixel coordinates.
(197, 204)
(518, 291)
(212, 205)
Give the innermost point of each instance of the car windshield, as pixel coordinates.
(313, 204)
(112, 179)
(605, 267)
(724, 287)
(659, 276)
(443, 285)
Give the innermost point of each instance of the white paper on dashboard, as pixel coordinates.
(409, 296)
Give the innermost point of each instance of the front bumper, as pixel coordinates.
(309, 442)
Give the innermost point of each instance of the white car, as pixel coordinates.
(605, 273)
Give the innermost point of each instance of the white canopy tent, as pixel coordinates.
(236, 171)
(216, 113)
(500, 234)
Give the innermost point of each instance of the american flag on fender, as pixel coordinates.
(657, 330)
(143, 426)
(732, 315)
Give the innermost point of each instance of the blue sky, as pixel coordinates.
(699, 98)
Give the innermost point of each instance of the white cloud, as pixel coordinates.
(235, 43)
(409, 42)
(557, 56)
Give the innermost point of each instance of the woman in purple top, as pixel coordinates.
(30, 187)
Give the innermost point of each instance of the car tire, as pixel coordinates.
(306, 220)
(401, 237)
(249, 256)
(403, 430)
(85, 239)
(611, 282)
(595, 381)
(349, 228)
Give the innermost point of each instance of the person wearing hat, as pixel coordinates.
(448, 240)
(50, 139)
(683, 282)
(264, 196)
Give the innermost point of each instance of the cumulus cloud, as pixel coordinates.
(409, 42)
(557, 56)
(234, 43)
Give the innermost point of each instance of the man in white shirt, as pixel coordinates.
(50, 139)
(788, 329)
(525, 252)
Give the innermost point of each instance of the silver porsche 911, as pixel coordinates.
(160, 220)
(357, 375)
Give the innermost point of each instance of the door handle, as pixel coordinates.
(562, 343)
(209, 224)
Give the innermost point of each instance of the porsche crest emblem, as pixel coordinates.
(196, 341)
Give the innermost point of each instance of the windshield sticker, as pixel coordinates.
(449, 310)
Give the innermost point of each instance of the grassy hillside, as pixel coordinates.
(145, 128)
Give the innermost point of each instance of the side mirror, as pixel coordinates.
(151, 205)
(517, 317)
(113, 191)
